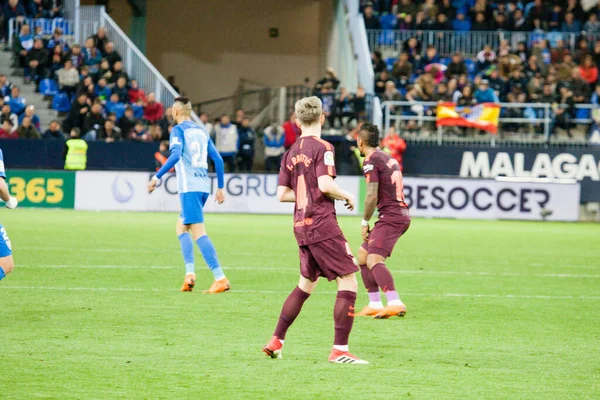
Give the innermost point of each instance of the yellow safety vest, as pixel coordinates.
(76, 154)
(360, 158)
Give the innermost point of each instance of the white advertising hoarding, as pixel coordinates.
(256, 194)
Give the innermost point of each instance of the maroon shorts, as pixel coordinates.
(330, 258)
(384, 235)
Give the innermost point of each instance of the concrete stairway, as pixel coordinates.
(42, 106)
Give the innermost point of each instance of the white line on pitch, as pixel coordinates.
(458, 295)
(295, 270)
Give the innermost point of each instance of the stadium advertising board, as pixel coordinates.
(490, 199)
(52, 189)
(582, 165)
(254, 193)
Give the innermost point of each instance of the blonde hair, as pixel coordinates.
(308, 110)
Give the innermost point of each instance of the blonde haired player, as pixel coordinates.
(306, 179)
(190, 147)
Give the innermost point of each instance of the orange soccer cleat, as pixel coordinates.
(391, 311)
(344, 357)
(189, 282)
(273, 348)
(219, 286)
(368, 311)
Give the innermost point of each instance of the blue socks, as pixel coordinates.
(187, 249)
(210, 256)
(2, 275)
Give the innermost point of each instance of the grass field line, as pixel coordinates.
(290, 270)
(459, 295)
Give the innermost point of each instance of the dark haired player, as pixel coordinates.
(190, 146)
(384, 191)
(306, 178)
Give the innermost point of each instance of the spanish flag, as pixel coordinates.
(482, 116)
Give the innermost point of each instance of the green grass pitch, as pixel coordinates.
(507, 310)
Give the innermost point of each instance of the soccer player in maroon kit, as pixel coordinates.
(384, 191)
(306, 178)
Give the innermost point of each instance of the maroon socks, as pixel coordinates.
(385, 281)
(289, 312)
(343, 315)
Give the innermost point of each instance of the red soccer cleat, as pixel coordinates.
(344, 357)
(189, 282)
(274, 348)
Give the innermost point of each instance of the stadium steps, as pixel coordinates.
(42, 105)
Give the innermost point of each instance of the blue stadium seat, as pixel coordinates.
(388, 21)
(61, 102)
(583, 113)
(387, 38)
(48, 87)
(471, 66)
(446, 61)
(390, 61)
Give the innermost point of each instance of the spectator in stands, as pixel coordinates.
(329, 78)
(171, 81)
(239, 117)
(343, 106)
(103, 92)
(68, 78)
(205, 119)
(431, 57)
(162, 155)
(57, 39)
(274, 138)
(592, 26)
(93, 123)
(33, 117)
(36, 61)
(571, 25)
(5, 86)
(140, 133)
(359, 104)
(100, 40)
(564, 69)
(485, 58)
(16, 102)
(457, 66)
(110, 133)
(22, 44)
(127, 121)
(105, 71)
(247, 137)
(45, 9)
(6, 130)
(55, 62)
(76, 56)
(328, 101)
(391, 94)
(485, 94)
(595, 99)
(121, 90)
(405, 22)
(371, 21)
(461, 24)
(380, 81)
(118, 72)
(548, 96)
(466, 97)
(166, 120)
(111, 55)
(589, 71)
(27, 130)
(480, 23)
(226, 141)
(442, 23)
(579, 88)
(12, 9)
(407, 7)
(520, 23)
(8, 115)
(79, 110)
(53, 132)
(115, 105)
(93, 56)
(292, 131)
(153, 110)
(582, 50)
(135, 93)
(412, 47)
(564, 111)
(378, 64)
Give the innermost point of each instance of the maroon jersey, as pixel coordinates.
(314, 214)
(382, 168)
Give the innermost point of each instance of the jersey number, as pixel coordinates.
(397, 180)
(198, 156)
(301, 194)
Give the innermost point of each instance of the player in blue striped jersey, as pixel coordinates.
(6, 259)
(190, 147)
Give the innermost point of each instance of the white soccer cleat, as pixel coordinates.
(344, 357)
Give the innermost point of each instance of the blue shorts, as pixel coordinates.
(5, 249)
(192, 204)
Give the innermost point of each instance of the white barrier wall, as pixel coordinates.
(254, 193)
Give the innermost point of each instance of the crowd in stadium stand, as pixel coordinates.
(543, 72)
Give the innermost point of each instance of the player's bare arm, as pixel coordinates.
(370, 205)
(11, 202)
(328, 186)
(285, 194)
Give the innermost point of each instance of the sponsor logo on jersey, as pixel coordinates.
(329, 158)
(368, 168)
(175, 141)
